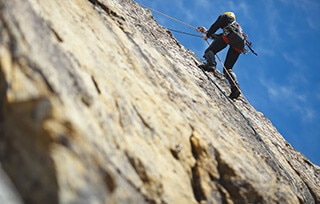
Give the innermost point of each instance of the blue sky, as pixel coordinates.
(283, 82)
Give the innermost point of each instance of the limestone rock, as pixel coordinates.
(100, 104)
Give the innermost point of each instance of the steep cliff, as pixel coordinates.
(100, 104)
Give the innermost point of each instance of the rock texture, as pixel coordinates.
(100, 104)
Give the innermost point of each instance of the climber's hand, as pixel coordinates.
(201, 29)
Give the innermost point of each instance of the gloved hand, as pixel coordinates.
(201, 29)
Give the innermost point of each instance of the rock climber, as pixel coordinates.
(234, 37)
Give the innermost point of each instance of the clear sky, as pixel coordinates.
(283, 81)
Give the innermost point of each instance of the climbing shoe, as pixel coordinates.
(207, 67)
(235, 93)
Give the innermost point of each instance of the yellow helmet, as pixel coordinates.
(231, 14)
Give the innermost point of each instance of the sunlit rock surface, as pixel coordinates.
(100, 104)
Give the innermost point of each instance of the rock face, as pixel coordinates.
(100, 104)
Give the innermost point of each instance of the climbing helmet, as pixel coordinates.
(231, 14)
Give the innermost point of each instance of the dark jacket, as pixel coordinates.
(234, 36)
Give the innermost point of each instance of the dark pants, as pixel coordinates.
(232, 56)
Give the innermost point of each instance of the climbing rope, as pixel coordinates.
(185, 33)
(186, 24)
(258, 136)
(167, 16)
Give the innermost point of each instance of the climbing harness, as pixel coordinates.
(258, 136)
(236, 28)
(232, 27)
